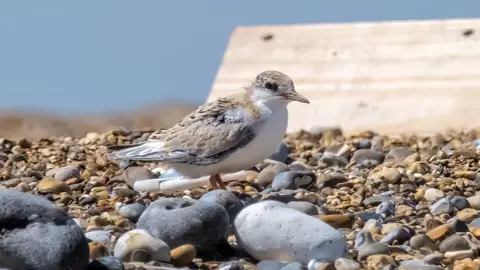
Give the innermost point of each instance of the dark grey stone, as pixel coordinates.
(363, 144)
(363, 238)
(362, 155)
(281, 154)
(377, 199)
(294, 180)
(226, 199)
(267, 174)
(132, 211)
(35, 234)
(179, 221)
(399, 234)
(460, 202)
(422, 241)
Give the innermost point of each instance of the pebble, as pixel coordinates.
(106, 263)
(266, 176)
(134, 174)
(67, 172)
(138, 239)
(180, 221)
(270, 230)
(183, 255)
(362, 155)
(453, 243)
(51, 185)
(281, 155)
(293, 180)
(58, 244)
(226, 199)
(304, 207)
(346, 264)
(132, 211)
(442, 206)
(433, 194)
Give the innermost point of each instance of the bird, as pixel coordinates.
(226, 135)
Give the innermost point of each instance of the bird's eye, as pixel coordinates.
(271, 86)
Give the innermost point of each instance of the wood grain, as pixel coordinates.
(391, 77)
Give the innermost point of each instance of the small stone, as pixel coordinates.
(376, 262)
(390, 175)
(442, 206)
(312, 265)
(97, 250)
(404, 210)
(372, 249)
(337, 220)
(270, 265)
(183, 255)
(294, 180)
(134, 174)
(398, 154)
(106, 263)
(474, 201)
(232, 265)
(132, 211)
(453, 243)
(433, 194)
(67, 172)
(422, 241)
(346, 264)
(387, 208)
(51, 185)
(98, 236)
(460, 255)
(141, 240)
(362, 155)
(460, 202)
(467, 214)
(439, 232)
(304, 207)
(266, 176)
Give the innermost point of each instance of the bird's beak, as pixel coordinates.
(297, 97)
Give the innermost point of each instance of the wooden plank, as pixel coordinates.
(391, 77)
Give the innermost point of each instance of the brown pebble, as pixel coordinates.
(51, 185)
(183, 255)
(337, 220)
(97, 250)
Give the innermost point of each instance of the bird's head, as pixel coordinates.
(270, 85)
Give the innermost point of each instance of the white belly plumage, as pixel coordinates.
(269, 136)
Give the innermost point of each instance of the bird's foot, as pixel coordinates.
(220, 181)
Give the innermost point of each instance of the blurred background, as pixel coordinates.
(70, 67)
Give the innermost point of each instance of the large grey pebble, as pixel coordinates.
(453, 243)
(422, 241)
(132, 211)
(67, 172)
(442, 206)
(270, 265)
(179, 221)
(294, 180)
(35, 234)
(226, 199)
(270, 230)
(141, 240)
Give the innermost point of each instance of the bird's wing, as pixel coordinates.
(207, 135)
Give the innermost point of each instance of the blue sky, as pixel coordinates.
(96, 56)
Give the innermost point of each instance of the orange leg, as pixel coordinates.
(220, 181)
(213, 181)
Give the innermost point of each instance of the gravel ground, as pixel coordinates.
(323, 201)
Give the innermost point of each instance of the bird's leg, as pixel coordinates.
(213, 181)
(220, 181)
